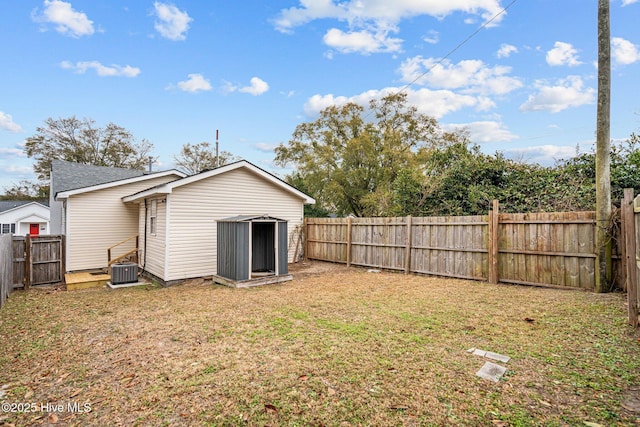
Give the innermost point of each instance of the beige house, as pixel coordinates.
(174, 217)
(177, 221)
(94, 218)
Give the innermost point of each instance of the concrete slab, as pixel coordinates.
(126, 285)
(496, 356)
(491, 371)
(478, 352)
(489, 354)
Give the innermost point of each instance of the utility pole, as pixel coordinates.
(603, 151)
(217, 154)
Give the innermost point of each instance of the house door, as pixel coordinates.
(34, 229)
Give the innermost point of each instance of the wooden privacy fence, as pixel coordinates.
(630, 214)
(38, 260)
(6, 267)
(549, 249)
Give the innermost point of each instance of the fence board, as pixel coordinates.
(19, 261)
(631, 245)
(6, 267)
(548, 249)
(47, 265)
(37, 260)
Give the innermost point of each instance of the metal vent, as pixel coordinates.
(124, 273)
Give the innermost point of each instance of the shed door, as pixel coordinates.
(34, 229)
(263, 256)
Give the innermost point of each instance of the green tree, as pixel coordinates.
(195, 158)
(26, 190)
(348, 163)
(80, 141)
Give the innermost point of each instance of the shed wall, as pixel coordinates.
(194, 209)
(233, 249)
(283, 236)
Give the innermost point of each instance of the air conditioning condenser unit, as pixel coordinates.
(124, 273)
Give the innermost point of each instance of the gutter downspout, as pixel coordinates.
(144, 256)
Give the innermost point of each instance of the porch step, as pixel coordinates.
(86, 280)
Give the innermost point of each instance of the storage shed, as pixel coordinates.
(252, 250)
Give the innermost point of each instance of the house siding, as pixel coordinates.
(155, 246)
(192, 237)
(99, 219)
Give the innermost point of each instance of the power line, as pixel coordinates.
(462, 43)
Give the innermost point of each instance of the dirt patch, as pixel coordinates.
(335, 346)
(308, 268)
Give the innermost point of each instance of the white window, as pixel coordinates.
(153, 216)
(8, 228)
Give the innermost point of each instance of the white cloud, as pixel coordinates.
(380, 10)
(432, 37)
(172, 23)
(364, 41)
(12, 152)
(101, 70)
(435, 103)
(566, 93)
(623, 51)
(628, 2)
(195, 83)
(506, 50)
(470, 76)
(377, 17)
(7, 123)
(66, 20)
(563, 54)
(264, 147)
(17, 170)
(256, 87)
(484, 131)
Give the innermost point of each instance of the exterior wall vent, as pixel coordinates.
(124, 273)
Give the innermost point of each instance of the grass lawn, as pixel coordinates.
(334, 347)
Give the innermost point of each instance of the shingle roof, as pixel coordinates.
(70, 176)
(6, 205)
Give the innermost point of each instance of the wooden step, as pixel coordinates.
(86, 280)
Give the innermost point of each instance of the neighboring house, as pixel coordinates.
(177, 221)
(20, 217)
(94, 217)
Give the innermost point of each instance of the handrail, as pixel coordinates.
(118, 258)
(123, 256)
(135, 236)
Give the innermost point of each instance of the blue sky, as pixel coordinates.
(174, 72)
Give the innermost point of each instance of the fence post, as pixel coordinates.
(305, 231)
(349, 220)
(494, 221)
(629, 247)
(27, 262)
(63, 257)
(407, 253)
